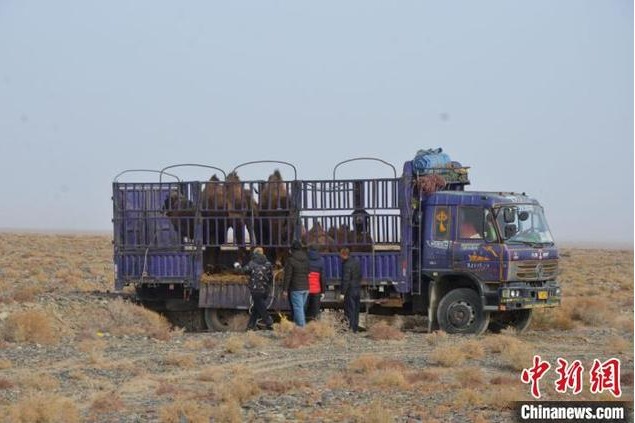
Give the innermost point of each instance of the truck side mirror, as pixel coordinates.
(510, 231)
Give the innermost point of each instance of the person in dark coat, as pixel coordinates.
(350, 290)
(296, 281)
(316, 283)
(260, 273)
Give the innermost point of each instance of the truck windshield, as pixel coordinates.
(523, 223)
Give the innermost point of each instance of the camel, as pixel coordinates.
(240, 207)
(318, 237)
(181, 212)
(214, 219)
(275, 218)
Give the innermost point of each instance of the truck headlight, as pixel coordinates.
(505, 293)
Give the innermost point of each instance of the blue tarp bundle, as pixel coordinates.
(426, 160)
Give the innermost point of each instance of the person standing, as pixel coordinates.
(260, 273)
(316, 283)
(296, 281)
(350, 290)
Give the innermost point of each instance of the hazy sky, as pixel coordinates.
(535, 96)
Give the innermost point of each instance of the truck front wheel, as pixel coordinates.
(461, 311)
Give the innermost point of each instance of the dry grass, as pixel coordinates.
(514, 353)
(617, 344)
(106, 402)
(180, 360)
(365, 363)
(211, 374)
(30, 326)
(234, 344)
(436, 338)
(473, 349)
(388, 378)
(240, 387)
(298, 337)
(189, 411)
(598, 289)
(38, 382)
(253, 340)
(279, 386)
(381, 331)
(284, 327)
(5, 384)
(448, 356)
(469, 397)
(470, 377)
(43, 408)
(321, 329)
(424, 376)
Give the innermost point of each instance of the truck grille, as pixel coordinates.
(532, 270)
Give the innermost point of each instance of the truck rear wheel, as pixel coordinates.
(517, 319)
(223, 320)
(461, 311)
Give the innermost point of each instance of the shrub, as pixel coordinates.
(473, 349)
(468, 397)
(388, 378)
(364, 364)
(422, 376)
(284, 327)
(234, 344)
(382, 331)
(180, 360)
(321, 329)
(470, 376)
(106, 402)
(43, 408)
(5, 383)
(448, 356)
(253, 340)
(240, 387)
(185, 410)
(298, 337)
(30, 326)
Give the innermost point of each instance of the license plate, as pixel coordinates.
(543, 295)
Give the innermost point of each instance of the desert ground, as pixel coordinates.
(70, 352)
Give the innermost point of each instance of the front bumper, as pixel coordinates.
(522, 295)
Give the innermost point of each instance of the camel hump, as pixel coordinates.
(277, 174)
(214, 178)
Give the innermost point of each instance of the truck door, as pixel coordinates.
(437, 238)
(476, 249)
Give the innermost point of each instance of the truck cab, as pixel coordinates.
(488, 259)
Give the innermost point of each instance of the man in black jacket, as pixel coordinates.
(260, 274)
(350, 289)
(296, 281)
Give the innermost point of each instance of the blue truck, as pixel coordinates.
(466, 260)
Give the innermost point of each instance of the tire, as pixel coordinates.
(221, 320)
(461, 311)
(517, 319)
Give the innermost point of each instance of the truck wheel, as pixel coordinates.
(221, 320)
(461, 311)
(517, 319)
